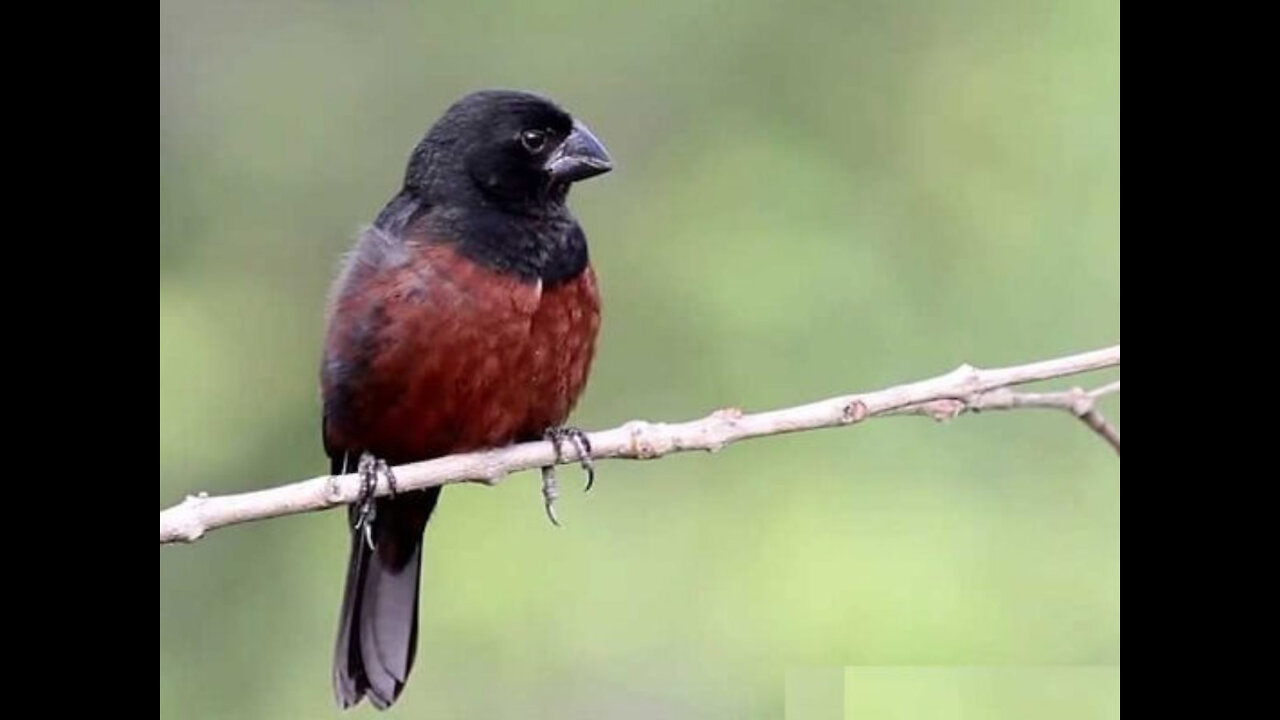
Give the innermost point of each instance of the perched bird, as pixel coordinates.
(464, 318)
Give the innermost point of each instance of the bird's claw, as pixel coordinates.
(581, 444)
(550, 486)
(369, 469)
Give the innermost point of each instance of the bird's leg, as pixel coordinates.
(581, 443)
(366, 509)
(550, 493)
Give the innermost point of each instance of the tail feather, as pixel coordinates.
(378, 626)
(349, 684)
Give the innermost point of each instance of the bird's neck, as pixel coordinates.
(547, 245)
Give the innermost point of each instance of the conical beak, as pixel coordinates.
(579, 157)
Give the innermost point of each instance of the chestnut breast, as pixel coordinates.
(440, 354)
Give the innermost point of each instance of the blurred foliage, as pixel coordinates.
(811, 198)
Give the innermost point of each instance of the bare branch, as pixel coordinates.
(1076, 401)
(964, 389)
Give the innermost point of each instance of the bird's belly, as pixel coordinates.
(502, 380)
(558, 355)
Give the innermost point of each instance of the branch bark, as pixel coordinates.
(1076, 401)
(965, 389)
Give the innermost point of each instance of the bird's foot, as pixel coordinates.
(581, 444)
(550, 486)
(369, 469)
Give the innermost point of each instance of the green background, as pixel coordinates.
(810, 199)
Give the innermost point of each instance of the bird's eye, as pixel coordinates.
(533, 140)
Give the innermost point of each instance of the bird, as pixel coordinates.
(465, 317)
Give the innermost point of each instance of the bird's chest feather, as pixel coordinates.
(448, 356)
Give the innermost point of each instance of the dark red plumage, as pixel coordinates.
(465, 318)
(466, 357)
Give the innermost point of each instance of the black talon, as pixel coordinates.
(581, 443)
(583, 446)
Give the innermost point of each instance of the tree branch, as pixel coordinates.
(1076, 401)
(943, 397)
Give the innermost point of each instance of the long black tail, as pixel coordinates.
(378, 627)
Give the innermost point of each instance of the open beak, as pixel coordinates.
(579, 157)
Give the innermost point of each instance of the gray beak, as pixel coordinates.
(579, 157)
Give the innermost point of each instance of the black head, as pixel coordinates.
(506, 148)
